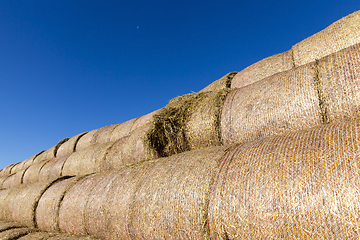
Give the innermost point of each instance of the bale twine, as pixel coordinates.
(264, 68)
(339, 82)
(103, 134)
(25, 203)
(85, 141)
(301, 185)
(72, 207)
(16, 233)
(47, 210)
(284, 102)
(130, 149)
(172, 200)
(220, 84)
(86, 161)
(53, 169)
(144, 120)
(121, 130)
(69, 146)
(31, 175)
(339, 35)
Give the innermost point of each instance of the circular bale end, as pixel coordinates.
(121, 130)
(297, 186)
(53, 169)
(171, 201)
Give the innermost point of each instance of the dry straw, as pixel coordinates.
(47, 211)
(16, 233)
(31, 175)
(38, 236)
(85, 161)
(6, 171)
(53, 169)
(85, 140)
(121, 130)
(171, 201)
(339, 35)
(7, 198)
(144, 120)
(72, 207)
(103, 134)
(339, 81)
(69, 146)
(284, 102)
(7, 183)
(301, 185)
(264, 68)
(54, 236)
(220, 84)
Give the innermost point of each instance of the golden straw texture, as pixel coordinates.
(69, 146)
(15, 233)
(53, 169)
(121, 130)
(85, 140)
(302, 185)
(31, 174)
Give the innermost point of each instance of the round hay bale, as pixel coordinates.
(72, 207)
(7, 198)
(18, 178)
(53, 169)
(26, 201)
(2, 180)
(27, 163)
(71, 237)
(171, 201)
(7, 170)
(3, 195)
(339, 35)
(15, 168)
(339, 83)
(264, 68)
(130, 149)
(301, 185)
(45, 155)
(5, 225)
(86, 161)
(144, 120)
(7, 182)
(103, 135)
(16, 233)
(121, 130)
(31, 175)
(47, 210)
(220, 84)
(68, 147)
(202, 128)
(38, 236)
(284, 102)
(85, 140)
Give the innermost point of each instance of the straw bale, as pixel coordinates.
(15, 168)
(339, 35)
(129, 149)
(264, 68)
(45, 155)
(38, 236)
(284, 102)
(71, 237)
(203, 126)
(103, 134)
(2, 180)
(85, 141)
(171, 201)
(7, 198)
(301, 185)
(69, 146)
(47, 210)
(27, 163)
(72, 207)
(222, 83)
(53, 169)
(16, 233)
(31, 175)
(121, 130)
(18, 178)
(86, 161)
(144, 120)
(7, 170)
(339, 79)
(5, 225)
(8, 181)
(25, 203)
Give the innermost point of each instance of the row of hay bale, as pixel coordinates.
(13, 231)
(298, 185)
(339, 35)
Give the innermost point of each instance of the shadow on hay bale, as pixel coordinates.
(296, 186)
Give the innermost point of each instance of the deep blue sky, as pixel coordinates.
(70, 66)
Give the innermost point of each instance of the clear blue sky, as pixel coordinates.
(70, 66)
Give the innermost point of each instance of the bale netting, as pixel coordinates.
(130, 149)
(171, 201)
(301, 185)
(107, 209)
(69, 146)
(86, 161)
(52, 170)
(284, 102)
(220, 84)
(339, 35)
(121, 130)
(264, 68)
(72, 207)
(15, 233)
(25, 203)
(31, 174)
(339, 82)
(47, 210)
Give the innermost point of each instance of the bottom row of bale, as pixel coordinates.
(298, 185)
